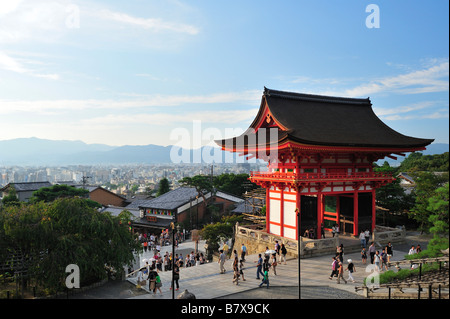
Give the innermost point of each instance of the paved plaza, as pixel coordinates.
(206, 282)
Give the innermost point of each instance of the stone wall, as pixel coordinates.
(256, 242)
(382, 235)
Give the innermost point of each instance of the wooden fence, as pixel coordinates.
(430, 285)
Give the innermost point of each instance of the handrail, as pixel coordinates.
(321, 176)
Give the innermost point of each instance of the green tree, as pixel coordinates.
(164, 187)
(236, 184)
(11, 198)
(67, 231)
(214, 233)
(438, 205)
(416, 162)
(49, 194)
(392, 196)
(201, 183)
(426, 185)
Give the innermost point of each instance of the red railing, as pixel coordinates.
(311, 177)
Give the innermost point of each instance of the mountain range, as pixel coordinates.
(35, 152)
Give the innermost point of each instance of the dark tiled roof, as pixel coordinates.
(28, 187)
(170, 200)
(325, 121)
(137, 220)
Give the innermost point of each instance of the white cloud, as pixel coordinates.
(9, 63)
(404, 109)
(9, 6)
(37, 20)
(152, 24)
(50, 21)
(40, 106)
(420, 110)
(433, 76)
(227, 117)
(431, 79)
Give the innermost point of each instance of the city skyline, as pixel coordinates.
(136, 73)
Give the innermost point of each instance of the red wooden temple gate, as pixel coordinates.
(320, 152)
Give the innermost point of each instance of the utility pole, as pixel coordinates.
(84, 181)
(212, 175)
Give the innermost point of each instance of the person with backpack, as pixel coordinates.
(283, 253)
(158, 284)
(351, 269)
(152, 279)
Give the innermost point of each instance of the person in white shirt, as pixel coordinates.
(367, 235)
(376, 261)
(362, 238)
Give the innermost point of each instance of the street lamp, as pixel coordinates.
(299, 243)
(172, 225)
(196, 198)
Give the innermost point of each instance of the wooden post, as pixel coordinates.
(282, 211)
(268, 208)
(297, 199)
(319, 214)
(373, 210)
(355, 213)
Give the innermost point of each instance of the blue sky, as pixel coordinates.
(139, 72)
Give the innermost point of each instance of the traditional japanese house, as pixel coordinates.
(320, 152)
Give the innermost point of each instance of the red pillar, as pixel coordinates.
(282, 211)
(319, 214)
(373, 210)
(268, 209)
(338, 208)
(355, 214)
(298, 220)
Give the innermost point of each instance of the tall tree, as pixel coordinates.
(426, 185)
(202, 184)
(49, 194)
(392, 196)
(67, 231)
(438, 205)
(236, 184)
(164, 187)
